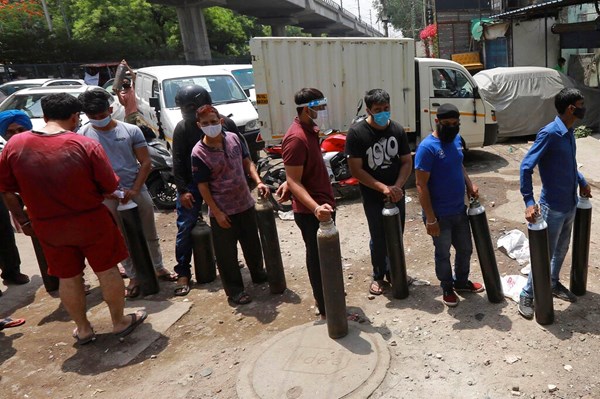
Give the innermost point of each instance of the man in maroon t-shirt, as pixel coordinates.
(63, 178)
(308, 181)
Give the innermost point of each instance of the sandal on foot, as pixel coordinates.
(132, 292)
(241, 299)
(9, 323)
(165, 275)
(376, 287)
(85, 340)
(182, 288)
(136, 320)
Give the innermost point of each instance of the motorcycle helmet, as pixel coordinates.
(190, 98)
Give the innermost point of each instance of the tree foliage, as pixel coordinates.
(406, 15)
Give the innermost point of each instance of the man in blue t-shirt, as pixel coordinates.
(441, 182)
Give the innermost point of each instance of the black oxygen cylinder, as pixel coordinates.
(138, 248)
(51, 283)
(395, 249)
(540, 271)
(330, 257)
(269, 239)
(204, 256)
(581, 246)
(485, 252)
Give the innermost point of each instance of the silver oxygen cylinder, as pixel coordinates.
(540, 270)
(581, 246)
(485, 251)
(330, 258)
(395, 249)
(119, 76)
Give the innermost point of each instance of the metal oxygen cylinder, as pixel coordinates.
(51, 283)
(485, 251)
(330, 258)
(269, 240)
(204, 255)
(119, 76)
(395, 249)
(581, 246)
(540, 270)
(138, 247)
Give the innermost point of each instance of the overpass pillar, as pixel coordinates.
(278, 30)
(193, 33)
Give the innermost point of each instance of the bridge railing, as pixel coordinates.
(336, 6)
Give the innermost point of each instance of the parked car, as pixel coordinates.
(156, 87)
(244, 74)
(28, 100)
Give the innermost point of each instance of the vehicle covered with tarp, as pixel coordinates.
(524, 98)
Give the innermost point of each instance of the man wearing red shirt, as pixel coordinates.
(308, 181)
(63, 178)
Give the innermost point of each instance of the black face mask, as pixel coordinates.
(579, 113)
(447, 134)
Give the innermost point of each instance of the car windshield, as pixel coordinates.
(222, 88)
(30, 103)
(245, 77)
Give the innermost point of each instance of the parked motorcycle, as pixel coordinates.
(160, 181)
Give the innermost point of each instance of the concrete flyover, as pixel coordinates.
(314, 16)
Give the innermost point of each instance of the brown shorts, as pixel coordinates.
(68, 242)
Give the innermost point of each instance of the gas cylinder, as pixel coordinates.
(330, 257)
(540, 270)
(581, 246)
(485, 251)
(51, 283)
(267, 229)
(204, 256)
(395, 249)
(119, 76)
(138, 247)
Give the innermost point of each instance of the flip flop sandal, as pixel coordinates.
(241, 299)
(10, 323)
(181, 290)
(132, 292)
(86, 340)
(167, 276)
(379, 289)
(135, 321)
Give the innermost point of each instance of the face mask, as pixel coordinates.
(579, 113)
(381, 118)
(447, 134)
(212, 130)
(101, 122)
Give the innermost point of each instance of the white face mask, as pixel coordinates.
(212, 130)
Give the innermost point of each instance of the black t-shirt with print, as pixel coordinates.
(380, 151)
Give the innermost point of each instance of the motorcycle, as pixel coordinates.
(272, 172)
(160, 181)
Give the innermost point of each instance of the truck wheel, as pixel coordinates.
(164, 195)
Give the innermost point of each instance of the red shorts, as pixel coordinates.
(69, 241)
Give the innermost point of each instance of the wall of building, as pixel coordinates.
(528, 43)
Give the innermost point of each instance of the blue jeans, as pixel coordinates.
(377, 245)
(454, 231)
(560, 225)
(186, 221)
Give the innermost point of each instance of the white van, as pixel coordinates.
(244, 74)
(163, 82)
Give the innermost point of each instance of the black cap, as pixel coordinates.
(447, 111)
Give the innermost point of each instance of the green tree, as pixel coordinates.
(406, 15)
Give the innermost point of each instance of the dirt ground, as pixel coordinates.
(476, 350)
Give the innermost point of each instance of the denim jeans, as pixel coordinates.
(454, 231)
(377, 245)
(186, 221)
(560, 225)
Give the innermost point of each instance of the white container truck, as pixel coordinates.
(345, 68)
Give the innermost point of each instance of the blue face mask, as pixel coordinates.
(101, 122)
(382, 118)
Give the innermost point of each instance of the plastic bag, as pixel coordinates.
(512, 286)
(516, 246)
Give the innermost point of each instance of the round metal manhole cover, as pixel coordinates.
(303, 362)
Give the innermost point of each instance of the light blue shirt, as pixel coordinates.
(119, 145)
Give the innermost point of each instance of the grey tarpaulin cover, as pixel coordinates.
(524, 98)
